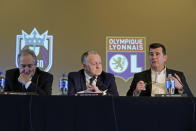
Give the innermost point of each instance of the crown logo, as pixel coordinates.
(34, 38)
(41, 44)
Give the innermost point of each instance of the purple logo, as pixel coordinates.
(42, 45)
(125, 56)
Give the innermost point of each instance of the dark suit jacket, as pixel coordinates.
(77, 82)
(146, 77)
(41, 82)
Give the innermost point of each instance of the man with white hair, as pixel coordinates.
(91, 79)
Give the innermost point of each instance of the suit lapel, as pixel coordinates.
(149, 82)
(83, 80)
(100, 79)
(35, 77)
(148, 76)
(18, 86)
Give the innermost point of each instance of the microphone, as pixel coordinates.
(92, 79)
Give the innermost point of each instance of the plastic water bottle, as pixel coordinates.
(63, 85)
(2, 82)
(170, 85)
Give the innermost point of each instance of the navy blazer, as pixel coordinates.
(77, 82)
(146, 77)
(41, 82)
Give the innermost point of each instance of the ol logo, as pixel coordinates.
(42, 45)
(118, 63)
(125, 56)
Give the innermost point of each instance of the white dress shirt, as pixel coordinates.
(28, 83)
(158, 82)
(88, 79)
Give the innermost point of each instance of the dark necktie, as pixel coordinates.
(92, 79)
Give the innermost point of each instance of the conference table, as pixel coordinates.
(96, 113)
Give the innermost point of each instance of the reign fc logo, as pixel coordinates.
(42, 45)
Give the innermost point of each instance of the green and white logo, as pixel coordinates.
(118, 63)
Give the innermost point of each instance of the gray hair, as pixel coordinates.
(27, 51)
(85, 55)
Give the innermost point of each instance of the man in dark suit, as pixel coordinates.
(152, 81)
(28, 78)
(91, 79)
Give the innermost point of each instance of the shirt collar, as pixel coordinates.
(162, 72)
(88, 76)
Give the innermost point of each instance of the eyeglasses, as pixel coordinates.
(24, 66)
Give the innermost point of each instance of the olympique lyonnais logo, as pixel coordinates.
(125, 56)
(42, 45)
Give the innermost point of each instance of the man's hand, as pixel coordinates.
(92, 89)
(140, 87)
(178, 83)
(23, 78)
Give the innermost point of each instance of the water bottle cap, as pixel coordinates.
(63, 75)
(169, 75)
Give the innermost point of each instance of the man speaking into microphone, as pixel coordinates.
(91, 79)
(28, 77)
(151, 82)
